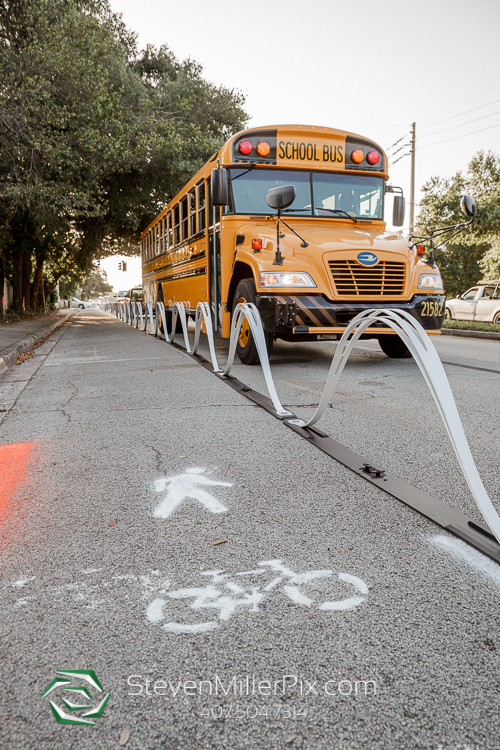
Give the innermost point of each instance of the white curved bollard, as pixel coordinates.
(152, 318)
(430, 365)
(249, 311)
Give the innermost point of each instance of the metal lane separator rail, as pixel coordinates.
(483, 536)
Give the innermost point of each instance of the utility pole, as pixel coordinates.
(412, 185)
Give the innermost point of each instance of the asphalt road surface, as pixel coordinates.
(229, 585)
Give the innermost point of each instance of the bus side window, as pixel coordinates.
(192, 212)
(169, 231)
(184, 218)
(200, 191)
(163, 245)
(176, 224)
(157, 239)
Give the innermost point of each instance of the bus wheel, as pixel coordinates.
(394, 347)
(245, 348)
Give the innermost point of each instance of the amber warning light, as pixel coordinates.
(357, 156)
(263, 148)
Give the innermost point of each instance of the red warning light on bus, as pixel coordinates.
(245, 148)
(373, 157)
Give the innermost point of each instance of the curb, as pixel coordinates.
(470, 334)
(28, 343)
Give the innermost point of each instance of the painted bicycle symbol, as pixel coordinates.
(227, 596)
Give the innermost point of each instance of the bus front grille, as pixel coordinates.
(386, 279)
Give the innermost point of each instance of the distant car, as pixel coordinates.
(121, 297)
(480, 302)
(135, 294)
(79, 303)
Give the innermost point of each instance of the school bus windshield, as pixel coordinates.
(317, 193)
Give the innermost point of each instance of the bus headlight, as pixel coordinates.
(430, 281)
(285, 279)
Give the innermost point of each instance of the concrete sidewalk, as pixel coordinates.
(21, 335)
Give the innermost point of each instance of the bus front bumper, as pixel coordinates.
(311, 315)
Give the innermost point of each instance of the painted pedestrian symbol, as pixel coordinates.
(187, 486)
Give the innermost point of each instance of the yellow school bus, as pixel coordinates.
(309, 265)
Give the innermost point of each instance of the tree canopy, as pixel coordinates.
(475, 253)
(95, 137)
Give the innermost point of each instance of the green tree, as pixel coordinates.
(473, 254)
(95, 137)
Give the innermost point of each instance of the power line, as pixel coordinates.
(401, 157)
(447, 140)
(453, 127)
(395, 144)
(462, 113)
(400, 149)
(447, 109)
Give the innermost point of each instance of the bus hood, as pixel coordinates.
(326, 238)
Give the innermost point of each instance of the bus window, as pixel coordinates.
(176, 225)
(192, 212)
(162, 236)
(201, 206)
(360, 195)
(169, 231)
(249, 188)
(184, 218)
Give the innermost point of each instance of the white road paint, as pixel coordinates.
(187, 486)
(465, 553)
(102, 591)
(227, 596)
(22, 582)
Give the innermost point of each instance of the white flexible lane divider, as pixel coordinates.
(249, 311)
(427, 359)
(402, 323)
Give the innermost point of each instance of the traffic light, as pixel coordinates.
(124, 266)
(119, 266)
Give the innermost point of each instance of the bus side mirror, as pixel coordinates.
(398, 211)
(468, 206)
(219, 187)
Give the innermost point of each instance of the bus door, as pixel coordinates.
(214, 264)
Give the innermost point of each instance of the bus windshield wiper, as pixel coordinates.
(337, 211)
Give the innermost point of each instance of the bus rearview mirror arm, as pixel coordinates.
(278, 198)
(468, 206)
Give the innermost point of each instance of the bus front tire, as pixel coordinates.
(245, 347)
(394, 347)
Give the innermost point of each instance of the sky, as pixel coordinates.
(369, 67)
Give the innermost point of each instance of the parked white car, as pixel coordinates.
(481, 302)
(79, 303)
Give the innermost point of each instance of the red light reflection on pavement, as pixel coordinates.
(14, 460)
